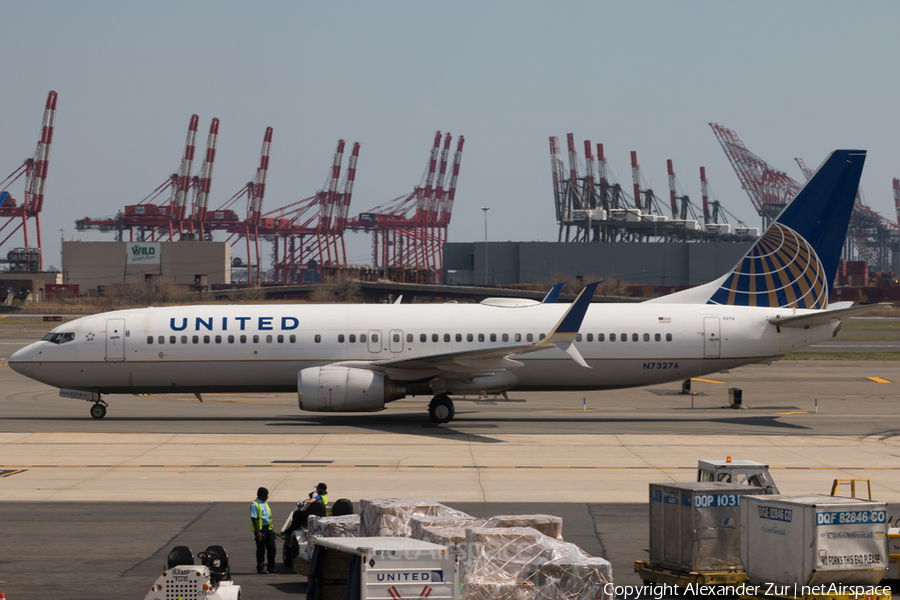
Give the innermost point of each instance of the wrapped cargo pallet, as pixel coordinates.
(418, 524)
(573, 579)
(549, 525)
(696, 526)
(813, 540)
(520, 563)
(445, 536)
(390, 517)
(344, 526)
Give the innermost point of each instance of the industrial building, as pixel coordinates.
(91, 265)
(664, 264)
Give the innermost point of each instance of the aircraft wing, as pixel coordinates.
(491, 359)
(822, 317)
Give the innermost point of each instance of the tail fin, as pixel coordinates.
(794, 263)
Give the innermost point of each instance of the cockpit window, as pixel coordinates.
(59, 338)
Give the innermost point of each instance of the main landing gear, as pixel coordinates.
(98, 410)
(441, 409)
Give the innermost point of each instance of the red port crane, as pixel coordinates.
(35, 171)
(873, 236)
(248, 229)
(156, 221)
(308, 235)
(408, 231)
(769, 189)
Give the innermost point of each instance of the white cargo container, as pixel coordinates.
(625, 214)
(689, 224)
(718, 228)
(746, 231)
(384, 567)
(594, 214)
(813, 540)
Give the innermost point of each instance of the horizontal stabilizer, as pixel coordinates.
(823, 317)
(553, 295)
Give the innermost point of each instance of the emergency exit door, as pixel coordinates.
(375, 343)
(396, 341)
(115, 339)
(711, 337)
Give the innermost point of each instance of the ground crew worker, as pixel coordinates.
(261, 523)
(320, 494)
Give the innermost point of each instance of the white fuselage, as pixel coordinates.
(263, 347)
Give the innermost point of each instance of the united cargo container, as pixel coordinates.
(813, 540)
(383, 567)
(696, 526)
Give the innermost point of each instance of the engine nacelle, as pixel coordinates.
(342, 389)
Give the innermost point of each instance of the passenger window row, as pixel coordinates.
(423, 338)
(623, 337)
(231, 339)
(504, 337)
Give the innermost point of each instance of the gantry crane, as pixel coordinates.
(15, 214)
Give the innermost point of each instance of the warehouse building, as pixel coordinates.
(658, 263)
(91, 265)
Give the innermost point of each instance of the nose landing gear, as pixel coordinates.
(441, 409)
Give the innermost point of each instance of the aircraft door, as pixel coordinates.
(396, 340)
(375, 340)
(115, 339)
(711, 337)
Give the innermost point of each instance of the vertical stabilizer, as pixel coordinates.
(794, 263)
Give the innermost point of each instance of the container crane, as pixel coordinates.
(874, 237)
(34, 169)
(407, 232)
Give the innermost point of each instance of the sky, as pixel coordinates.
(792, 79)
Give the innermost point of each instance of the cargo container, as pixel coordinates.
(382, 567)
(813, 540)
(696, 526)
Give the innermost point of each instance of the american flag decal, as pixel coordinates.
(665, 319)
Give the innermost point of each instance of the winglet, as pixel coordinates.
(565, 331)
(570, 322)
(553, 295)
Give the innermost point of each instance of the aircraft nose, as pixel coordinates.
(20, 361)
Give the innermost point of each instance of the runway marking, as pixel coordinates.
(14, 469)
(706, 380)
(568, 411)
(879, 380)
(208, 398)
(796, 412)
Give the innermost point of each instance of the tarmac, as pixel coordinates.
(92, 507)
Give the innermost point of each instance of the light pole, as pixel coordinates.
(485, 209)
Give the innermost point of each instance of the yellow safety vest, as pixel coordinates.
(259, 515)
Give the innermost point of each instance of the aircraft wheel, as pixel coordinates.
(98, 411)
(441, 409)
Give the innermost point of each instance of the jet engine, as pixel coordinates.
(342, 389)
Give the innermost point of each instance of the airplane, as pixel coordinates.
(357, 358)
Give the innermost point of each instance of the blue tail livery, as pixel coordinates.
(794, 263)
